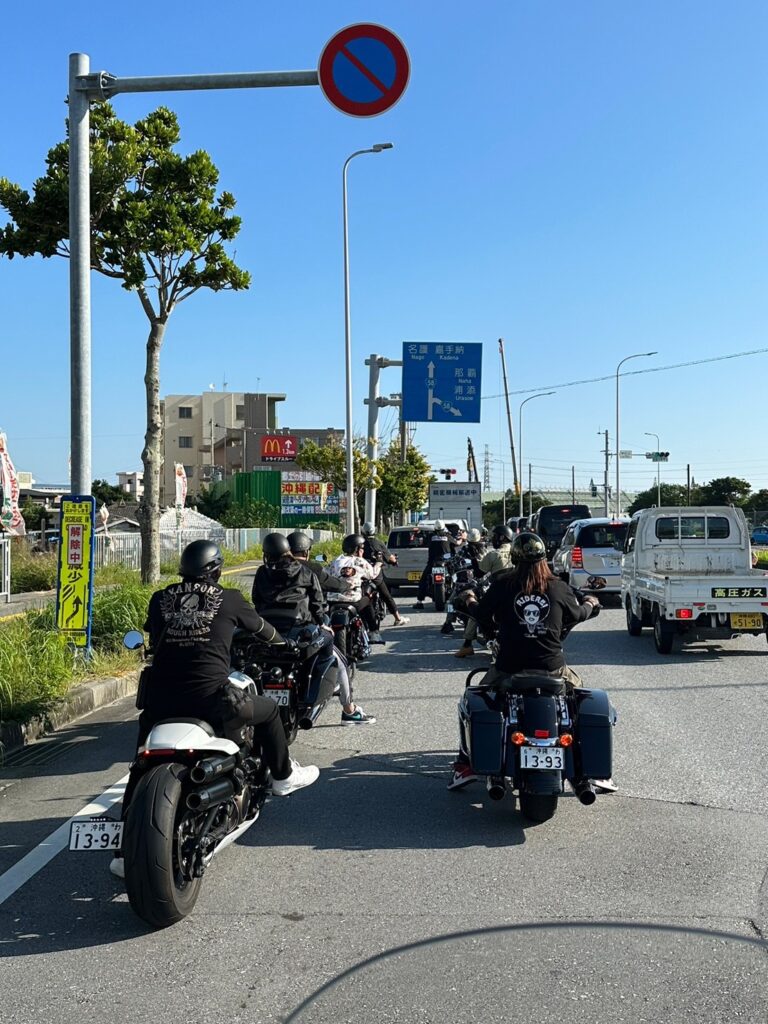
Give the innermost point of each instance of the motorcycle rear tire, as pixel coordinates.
(439, 597)
(538, 807)
(157, 891)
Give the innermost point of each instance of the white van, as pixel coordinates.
(410, 544)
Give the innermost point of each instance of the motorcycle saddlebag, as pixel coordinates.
(485, 732)
(593, 728)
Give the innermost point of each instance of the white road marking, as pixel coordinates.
(36, 859)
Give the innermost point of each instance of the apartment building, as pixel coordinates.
(132, 485)
(204, 432)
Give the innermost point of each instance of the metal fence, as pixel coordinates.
(125, 548)
(5, 568)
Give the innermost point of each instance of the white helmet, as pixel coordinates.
(439, 525)
(368, 529)
(474, 537)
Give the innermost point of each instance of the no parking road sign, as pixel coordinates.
(364, 70)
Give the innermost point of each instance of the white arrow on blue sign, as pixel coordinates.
(441, 382)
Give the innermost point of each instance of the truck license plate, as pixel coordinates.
(541, 757)
(745, 620)
(99, 834)
(414, 577)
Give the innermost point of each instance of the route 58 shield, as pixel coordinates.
(74, 590)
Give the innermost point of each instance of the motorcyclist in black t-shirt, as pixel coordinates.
(379, 555)
(529, 609)
(191, 625)
(300, 545)
(441, 543)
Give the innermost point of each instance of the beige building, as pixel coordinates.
(132, 485)
(205, 433)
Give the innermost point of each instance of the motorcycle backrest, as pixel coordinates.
(524, 683)
(187, 734)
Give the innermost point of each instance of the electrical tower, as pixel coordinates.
(487, 470)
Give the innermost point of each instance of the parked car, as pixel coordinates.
(550, 522)
(760, 535)
(517, 523)
(409, 544)
(592, 547)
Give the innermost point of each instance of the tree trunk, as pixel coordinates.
(152, 459)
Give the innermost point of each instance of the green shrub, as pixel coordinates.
(36, 667)
(31, 571)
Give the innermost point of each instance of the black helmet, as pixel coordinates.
(501, 535)
(200, 559)
(368, 529)
(454, 529)
(528, 547)
(274, 546)
(352, 542)
(299, 543)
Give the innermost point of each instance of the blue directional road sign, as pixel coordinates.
(441, 382)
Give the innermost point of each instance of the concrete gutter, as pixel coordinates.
(78, 702)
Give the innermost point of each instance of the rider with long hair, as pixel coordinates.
(529, 608)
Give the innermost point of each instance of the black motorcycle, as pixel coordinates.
(528, 734)
(284, 674)
(349, 634)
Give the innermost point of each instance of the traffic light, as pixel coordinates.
(663, 456)
(593, 489)
(447, 473)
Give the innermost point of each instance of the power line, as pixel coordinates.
(632, 373)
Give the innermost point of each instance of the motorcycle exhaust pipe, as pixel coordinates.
(585, 791)
(496, 788)
(309, 720)
(201, 799)
(208, 769)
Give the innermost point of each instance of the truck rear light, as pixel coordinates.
(684, 613)
(577, 559)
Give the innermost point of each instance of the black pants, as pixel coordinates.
(260, 712)
(381, 585)
(425, 582)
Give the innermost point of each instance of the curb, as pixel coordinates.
(78, 702)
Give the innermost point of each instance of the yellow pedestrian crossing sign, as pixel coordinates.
(74, 591)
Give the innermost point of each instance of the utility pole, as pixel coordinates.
(689, 483)
(517, 484)
(374, 403)
(471, 461)
(607, 454)
(573, 485)
(530, 493)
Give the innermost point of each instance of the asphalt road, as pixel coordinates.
(377, 896)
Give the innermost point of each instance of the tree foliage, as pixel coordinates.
(106, 493)
(34, 514)
(671, 494)
(212, 501)
(157, 225)
(250, 513)
(404, 485)
(725, 490)
(329, 462)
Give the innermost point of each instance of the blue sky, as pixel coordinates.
(585, 180)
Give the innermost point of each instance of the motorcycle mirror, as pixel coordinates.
(133, 640)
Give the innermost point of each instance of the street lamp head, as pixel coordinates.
(378, 146)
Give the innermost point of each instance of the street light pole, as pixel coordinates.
(636, 355)
(348, 335)
(542, 394)
(650, 433)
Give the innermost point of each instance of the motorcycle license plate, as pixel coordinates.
(281, 697)
(544, 758)
(98, 834)
(746, 620)
(449, 607)
(414, 577)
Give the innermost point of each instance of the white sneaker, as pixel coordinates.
(117, 867)
(298, 779)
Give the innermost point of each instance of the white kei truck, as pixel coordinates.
(688, 572)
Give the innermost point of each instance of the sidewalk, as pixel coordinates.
(20, 603)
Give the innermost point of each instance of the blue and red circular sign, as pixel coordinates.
(364, 70)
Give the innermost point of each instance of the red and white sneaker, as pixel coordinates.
(462, 775)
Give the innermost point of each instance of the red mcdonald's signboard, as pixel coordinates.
(278, 448)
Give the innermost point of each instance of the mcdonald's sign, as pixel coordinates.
(278, 448)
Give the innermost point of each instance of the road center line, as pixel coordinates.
(36, 859)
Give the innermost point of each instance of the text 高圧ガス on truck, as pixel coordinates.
(688, 572)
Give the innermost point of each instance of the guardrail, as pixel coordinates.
(125, 548)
